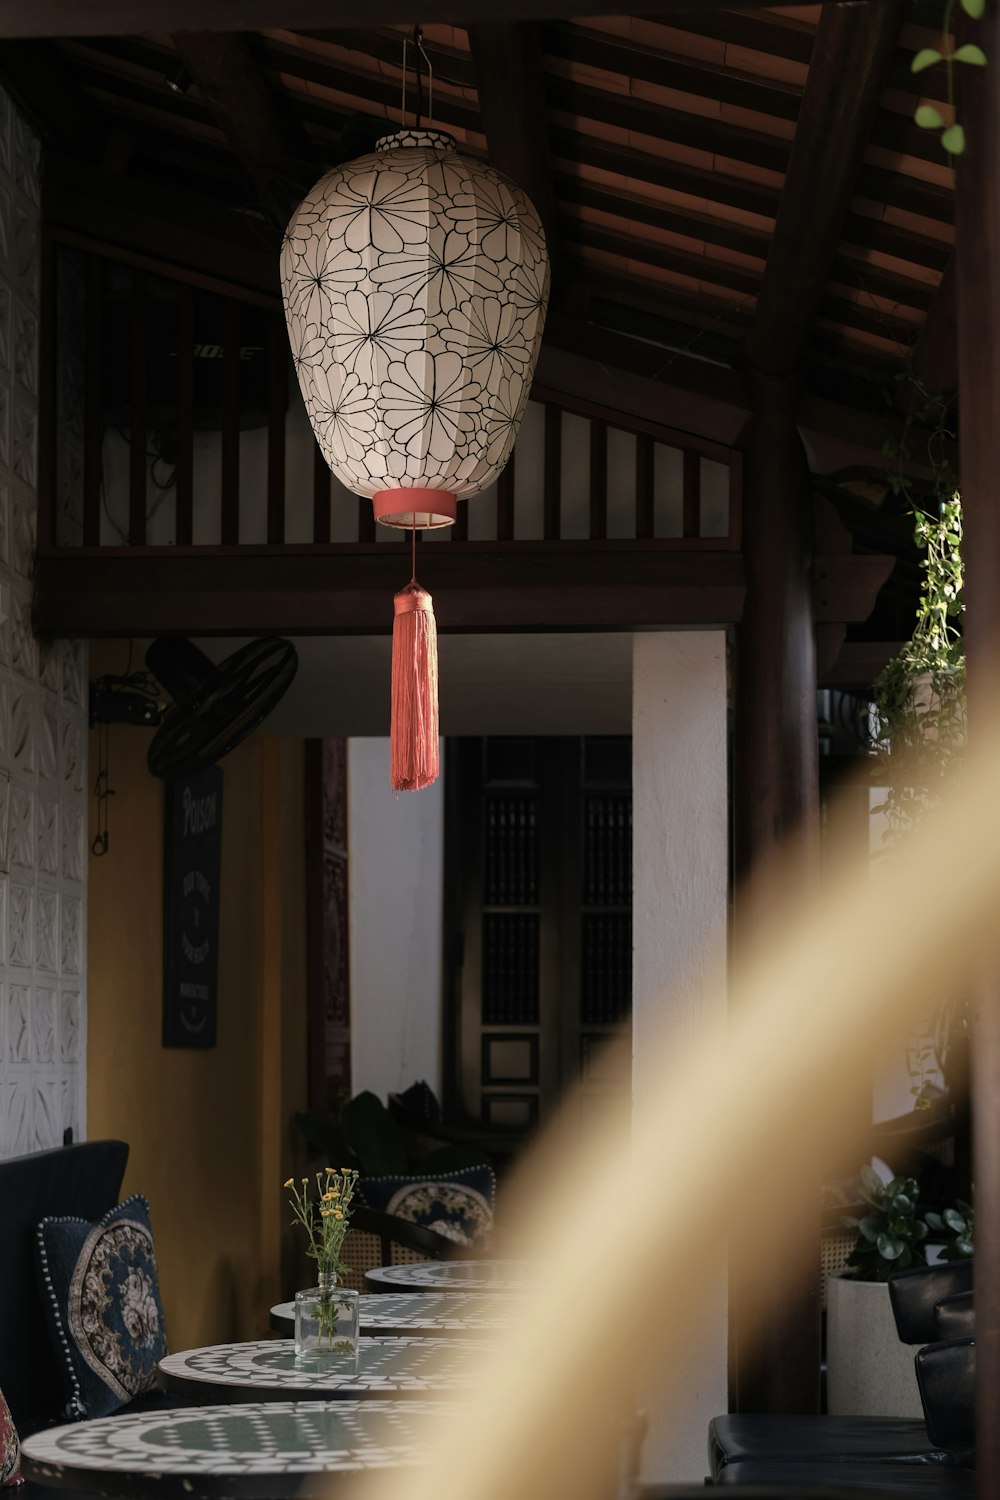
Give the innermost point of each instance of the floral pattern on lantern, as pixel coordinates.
(415, 283)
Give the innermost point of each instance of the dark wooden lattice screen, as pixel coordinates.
(540, 879)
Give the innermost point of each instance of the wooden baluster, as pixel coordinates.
(47, 534)
(93, 418)
(231, 424)
(184, 476)
(138, 385)
(505, 503)
(644, 506)
(321, 497)
(553, 472)
(598, 480)
(277, 405)
(692, 493)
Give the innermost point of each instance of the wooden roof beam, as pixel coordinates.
(118, 17)
(851, 57)
(341, 589)
(47, 94)
(510, 82)
(237, 93)
(935, 355)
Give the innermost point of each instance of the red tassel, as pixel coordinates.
(414, 731)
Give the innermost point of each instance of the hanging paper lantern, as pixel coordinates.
(415, 282)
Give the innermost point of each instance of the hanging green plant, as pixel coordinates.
(928, 116)
(919, 696)
(919, 703)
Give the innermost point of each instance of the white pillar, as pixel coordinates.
(396, 880)
(680, 884)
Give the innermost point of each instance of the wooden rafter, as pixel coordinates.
(510, 82)
(45, 91)
(238, 97)
(853, 49)
(935, 355)
(146, 220)
(119, 18)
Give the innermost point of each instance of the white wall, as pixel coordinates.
(43, 919)
(680, 886)
(395, 877)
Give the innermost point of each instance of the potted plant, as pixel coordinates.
(869, 1372)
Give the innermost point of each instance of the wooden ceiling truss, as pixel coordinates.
(673, 158)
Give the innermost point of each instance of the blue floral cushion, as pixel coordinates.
(458, 1205)
(103, 1299)
(10, 1449)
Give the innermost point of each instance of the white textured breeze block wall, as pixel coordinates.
(42, 731)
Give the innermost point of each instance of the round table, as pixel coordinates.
(454, 1276)
(428, 1314)
(266, 1370)
(270, 1452)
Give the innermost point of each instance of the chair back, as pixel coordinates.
(915, 1293)
(956, 1316)
(946, 1376)
(81, 1181)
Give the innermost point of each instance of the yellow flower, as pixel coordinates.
(345, 1171)
(336, 1213)
(289, 1182)
(328, 1195)
(325, 1213)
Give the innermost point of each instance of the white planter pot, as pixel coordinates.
(869, 1373)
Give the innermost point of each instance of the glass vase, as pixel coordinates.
(326, 1327)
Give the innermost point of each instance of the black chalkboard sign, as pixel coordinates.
(192, 860)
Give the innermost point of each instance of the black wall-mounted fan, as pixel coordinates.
(214, 707)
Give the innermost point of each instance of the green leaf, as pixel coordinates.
(925, 58)
(974, 8)
(935, 1222)
(954, 1221)
(928, 118)
(965, 1248)
(953, 140)
(890, 1249)
(970, 53)
(871, 1227)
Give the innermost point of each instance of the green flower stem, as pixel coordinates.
(324, 1214)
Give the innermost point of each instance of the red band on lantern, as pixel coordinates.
(422, 510)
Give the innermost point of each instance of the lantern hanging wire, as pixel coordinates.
(420, 61)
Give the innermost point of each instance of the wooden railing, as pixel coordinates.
(171, 421)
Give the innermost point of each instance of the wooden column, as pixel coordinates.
(977, 265)
(776, 791)
(776, 798)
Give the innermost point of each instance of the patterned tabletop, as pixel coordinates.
(455, 1314)
(456, 1275)
(267, 1370)
(246, 1452)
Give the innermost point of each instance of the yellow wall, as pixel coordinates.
(208, 1129)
